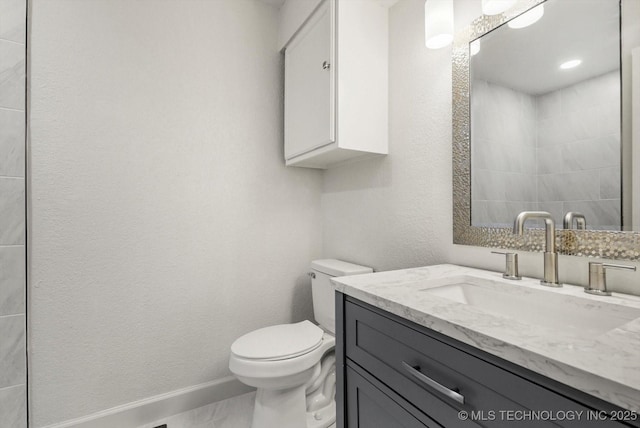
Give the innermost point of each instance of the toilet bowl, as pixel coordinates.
(283, 369)
(293, 365)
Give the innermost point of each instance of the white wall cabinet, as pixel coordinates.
(336, 81)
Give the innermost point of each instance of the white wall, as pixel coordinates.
(164, 223)
(396, 212)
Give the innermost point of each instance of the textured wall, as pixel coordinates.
(396, 211)
(13, 375)
(165, 224)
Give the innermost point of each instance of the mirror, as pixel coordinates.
(529, 135)
(545, 116)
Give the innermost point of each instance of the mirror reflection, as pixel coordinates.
(546, 116)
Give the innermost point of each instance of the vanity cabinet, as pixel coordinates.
(390, 369)
(336, 82)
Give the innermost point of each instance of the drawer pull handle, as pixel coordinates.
(433, 384)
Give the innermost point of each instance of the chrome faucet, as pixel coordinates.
(581, 221)
(550, 254)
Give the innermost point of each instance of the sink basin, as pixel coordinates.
(565, 314)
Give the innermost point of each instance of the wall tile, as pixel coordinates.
(590, 154)
(12, 211)
(12, 280)
(489, 185)
(548, 105)
(12, 75)
(520, 187)
(12, 350)
(555, 148)
(12, 143)
(498, 213)
(556, 209)
(584, 123)
(598, 213)
(503, 158)
(610, 183)
(13, 407)
(549, 159)
(608, 119)
(571, 186)
(13, 20)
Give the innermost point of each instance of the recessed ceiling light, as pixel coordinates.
(527, 18)
(570, 64)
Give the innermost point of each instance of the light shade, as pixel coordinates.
(495, 7)
(438, 23)
(527, 18)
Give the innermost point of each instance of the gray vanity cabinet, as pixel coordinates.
(378, 406)
(394, 373)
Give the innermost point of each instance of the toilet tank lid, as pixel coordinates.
(335, 267)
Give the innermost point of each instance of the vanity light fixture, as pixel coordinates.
(496, 7)
(570, 64)
(474, 47)
(530, 17)
(438, 23)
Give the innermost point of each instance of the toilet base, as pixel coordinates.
(283, 408)
(322, 418)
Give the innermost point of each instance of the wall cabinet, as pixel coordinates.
(336, 82)
(391, 368)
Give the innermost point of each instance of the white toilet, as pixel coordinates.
(293, 365)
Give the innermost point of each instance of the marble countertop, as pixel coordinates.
(605, 365)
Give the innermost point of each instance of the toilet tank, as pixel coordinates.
(323, 292)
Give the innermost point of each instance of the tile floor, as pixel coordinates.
(235, 412)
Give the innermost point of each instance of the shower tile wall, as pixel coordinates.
(556, 152)
(13, 403)
(579, 151)
(503, 154)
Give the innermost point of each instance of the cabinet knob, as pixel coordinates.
(326, 65)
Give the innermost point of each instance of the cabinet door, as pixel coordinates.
(372, 405)
(309, 85)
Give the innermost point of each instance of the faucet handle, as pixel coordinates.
(598, 277)
(511, 265)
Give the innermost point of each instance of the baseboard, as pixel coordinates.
(151, 409)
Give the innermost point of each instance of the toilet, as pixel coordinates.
(293, 365)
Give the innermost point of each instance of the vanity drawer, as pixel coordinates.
(375, 405)
(398, 353)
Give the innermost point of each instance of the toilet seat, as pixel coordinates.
(268, 370)
(278, 342)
